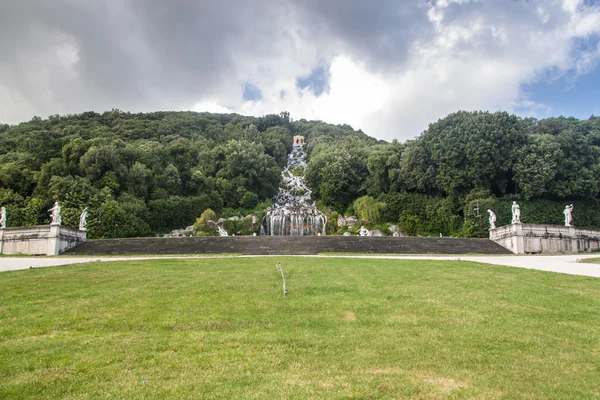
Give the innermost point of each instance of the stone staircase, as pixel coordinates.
(282, 245)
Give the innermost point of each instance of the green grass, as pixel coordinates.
(350, 253)
(207, 255)
(350, 328)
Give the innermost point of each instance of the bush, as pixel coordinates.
(207, 215)
(206, 231)
(249, 200)
(241, 227)
(332, 227)
(476, 223)
(123, 218)
(368, 209)
(410, 223)
(585, 214)
(176, 212)
(437, 214)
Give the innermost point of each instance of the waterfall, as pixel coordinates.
(293, 212)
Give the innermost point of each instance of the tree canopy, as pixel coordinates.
(146, 173)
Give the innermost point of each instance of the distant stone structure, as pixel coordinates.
(536, 238)
(349, 222)
(182, 232)
(547, 239)
(41, 239)
(298, 139)
(50, 239)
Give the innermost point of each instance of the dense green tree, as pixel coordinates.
(332, 179)
(577, 170)
(536, 166)
(17, 172)
(142, 174)
(15, 205)
(474, 150)
(207, 215)
(416, 171)
(140, 180)
(249, 167)
(368, 209)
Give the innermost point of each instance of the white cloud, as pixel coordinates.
(476, 62)
(393, 68)
(211, 106)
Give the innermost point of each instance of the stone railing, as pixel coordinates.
(533, 239)
(41, 239)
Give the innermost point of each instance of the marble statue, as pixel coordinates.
(492, 219)
(363, 231)
(516, 213)
(3, 217)
(82, 219)
(55, 210)
(568, 215)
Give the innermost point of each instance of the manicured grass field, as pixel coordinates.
(350, 328)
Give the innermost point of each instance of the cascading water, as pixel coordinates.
(294, 213)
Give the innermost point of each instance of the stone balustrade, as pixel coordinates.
(534, 239)
(41, 239)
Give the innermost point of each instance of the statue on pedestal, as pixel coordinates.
(516, 213)
(3, 217)
(568, 214)
(55, 214)
(492, 219)
(82, 219)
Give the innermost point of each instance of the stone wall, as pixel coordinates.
(41, 239)
(275, 245)
(534, 239)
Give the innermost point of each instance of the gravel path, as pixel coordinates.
(566, 264)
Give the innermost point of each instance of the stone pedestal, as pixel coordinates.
(54, 240)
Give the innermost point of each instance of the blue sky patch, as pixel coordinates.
(252, 92)
(317, 81)
(568, 95)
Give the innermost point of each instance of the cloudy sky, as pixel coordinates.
(388, 67)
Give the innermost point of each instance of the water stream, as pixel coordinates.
(294, 212)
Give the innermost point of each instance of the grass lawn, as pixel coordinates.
(350, 328)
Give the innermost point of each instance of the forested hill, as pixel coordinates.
(141, 174)
(145, 173)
